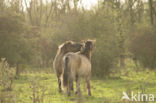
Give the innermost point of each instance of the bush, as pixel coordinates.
(143, 46)
(7, 75)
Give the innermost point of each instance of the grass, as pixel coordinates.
(103, 90)
(43, 84)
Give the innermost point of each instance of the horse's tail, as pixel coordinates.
(66, 71)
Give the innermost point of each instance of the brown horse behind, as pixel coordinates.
(66, 47)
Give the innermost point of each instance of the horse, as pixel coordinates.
(77, 65)
(68, 46)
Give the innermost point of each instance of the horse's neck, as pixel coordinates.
(63, 53)
(60, 55)
(87, 54)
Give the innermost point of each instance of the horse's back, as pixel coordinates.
(78, 63)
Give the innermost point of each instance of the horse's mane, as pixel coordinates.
(87, 50)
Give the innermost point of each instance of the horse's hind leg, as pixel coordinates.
(77, 84)
(88, 85)
(68, 90)
(70, 86)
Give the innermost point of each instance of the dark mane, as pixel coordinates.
(87, 49)
(86, 52)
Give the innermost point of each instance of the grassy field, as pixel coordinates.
(44, 87)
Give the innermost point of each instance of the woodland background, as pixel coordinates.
(32, 30)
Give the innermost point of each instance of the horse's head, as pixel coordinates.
(89, 45)
(70, 46)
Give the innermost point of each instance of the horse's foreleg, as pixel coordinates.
(68, 90)
(59, 84)
(88, 86)
(77, 84)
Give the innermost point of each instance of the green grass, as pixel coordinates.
(103, 90)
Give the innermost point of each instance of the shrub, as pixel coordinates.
(38, 91)
(143, 46)
(7, 75)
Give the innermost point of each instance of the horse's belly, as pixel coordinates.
(57, 65)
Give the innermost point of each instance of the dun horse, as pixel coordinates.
(66, 47)
(77, 65)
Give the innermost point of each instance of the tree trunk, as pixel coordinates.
(151, 10)
(122, 61)
(17, 70)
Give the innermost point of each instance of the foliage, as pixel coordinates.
(7, 75)
(14, 45)
(30, 32)
(142, 45)
(107, 49)
(38, 91)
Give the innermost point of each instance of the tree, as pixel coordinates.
(15, 47)
(142, 45)
(151, 10)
